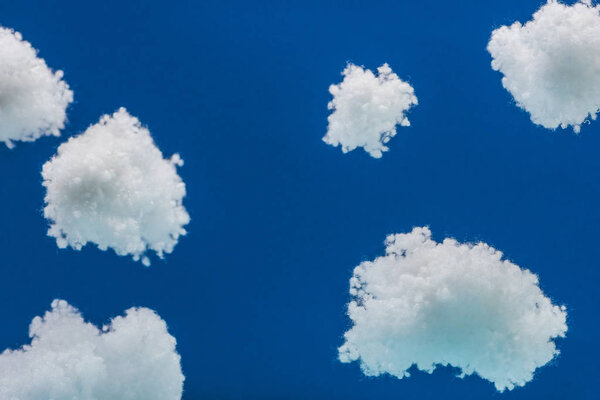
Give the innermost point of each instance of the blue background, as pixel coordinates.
(256, 293)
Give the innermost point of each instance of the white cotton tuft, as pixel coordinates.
(33, 98)
(427, 304)
(551, 64)
(367, 108)
(132, 358)
(112, 187)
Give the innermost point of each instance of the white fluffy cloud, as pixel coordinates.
(426, 304)
(367, 108)
(33, 98)
(551, 64)
(132, 358)
(111, 186)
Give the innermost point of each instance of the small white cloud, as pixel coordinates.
(551, 64)
(427, 304)
(111, 186)
(367, 108)
(33, 98)
(133, 357)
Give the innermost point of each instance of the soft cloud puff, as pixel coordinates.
(367, 108)
(33, 98)
(111, 186)
(551, 64)
(426, 303)
(132, 358)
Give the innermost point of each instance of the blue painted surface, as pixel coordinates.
(256, 293)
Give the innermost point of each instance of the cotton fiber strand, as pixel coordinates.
(33, 98)
(426, 304)
(367, 108)
(131, 358)
(112, 187)
(551, 64)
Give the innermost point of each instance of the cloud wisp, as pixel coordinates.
(426, 304)
(550, 64)
(112, 187)
(133, 357)
(367, 108)
(33, 98)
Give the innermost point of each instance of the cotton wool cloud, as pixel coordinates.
(111, 186)
(131, 358)
(551, 65)
(427, 304)
(33, 98)
(366, 108)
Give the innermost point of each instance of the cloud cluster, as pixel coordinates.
(367, 108)
(111, 186)
(551, 64)
(426, 303)
(33, 98)
(132, 358)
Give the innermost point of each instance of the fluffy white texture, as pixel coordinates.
(551, 64)
(367, 108)
(132, 358)
(33, 98)
(426, 303)
(111, 186)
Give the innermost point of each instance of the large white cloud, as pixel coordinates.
(111, 186)
(33, 98)
(132, 358)
(426, 304)
(367, 108)
(551, 64)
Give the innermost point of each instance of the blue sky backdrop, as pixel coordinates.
(256, 292)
